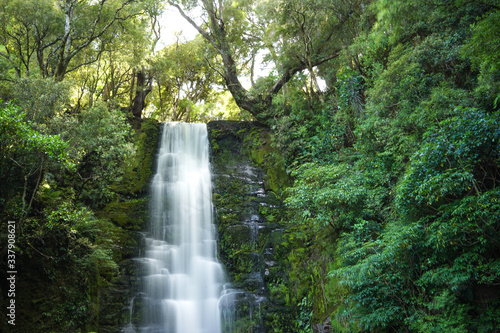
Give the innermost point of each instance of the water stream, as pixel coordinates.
(182, 281)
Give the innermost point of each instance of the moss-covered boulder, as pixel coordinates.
(135, 182)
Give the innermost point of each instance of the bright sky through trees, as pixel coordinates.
(174, 26)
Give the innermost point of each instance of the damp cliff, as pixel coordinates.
(129, 214)
(248, 179)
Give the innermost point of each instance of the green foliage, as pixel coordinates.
(443, 243)
(99, 143)
(20, 138)
(329, 195)
(25, 155)
(303, 322)
(65, 246)
(41, 99)
(399, 171)
(458, 157)
(482, 49)
(349, 90)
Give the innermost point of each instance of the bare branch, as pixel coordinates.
(205, 34)
(212, 67)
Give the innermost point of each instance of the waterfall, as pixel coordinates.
(182, 280)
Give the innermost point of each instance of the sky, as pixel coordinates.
(173, 23)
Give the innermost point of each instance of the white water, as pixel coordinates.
(183, 279)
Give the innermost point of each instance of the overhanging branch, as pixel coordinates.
(290, 72)
(205, 34)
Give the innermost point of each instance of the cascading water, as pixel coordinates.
(183, 280)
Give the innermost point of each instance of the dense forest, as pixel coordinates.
(385, 114)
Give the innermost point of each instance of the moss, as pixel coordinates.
(265, 155)
(248, 181)
(130, 215)
(236, 246)
(139, 168)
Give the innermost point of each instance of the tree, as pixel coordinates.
(63, 36)
(183, 78)
(223, 20)
(116, 76)
(142, 89)
(98, 144)
(483, 49)
(25, 153)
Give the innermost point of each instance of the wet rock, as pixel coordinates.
(246, 186)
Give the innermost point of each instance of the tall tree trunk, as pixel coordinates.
(143, 88)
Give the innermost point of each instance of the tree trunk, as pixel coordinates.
(260, 106)
(143, 88)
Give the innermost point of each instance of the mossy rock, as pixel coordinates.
(248, 181)
(130, 215)
(238, 235)
(139, 168)
(230, 139)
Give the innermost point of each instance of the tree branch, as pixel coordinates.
(287, 75)
(202, 32)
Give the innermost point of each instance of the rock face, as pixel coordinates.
(247, 181)
(129, 214)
